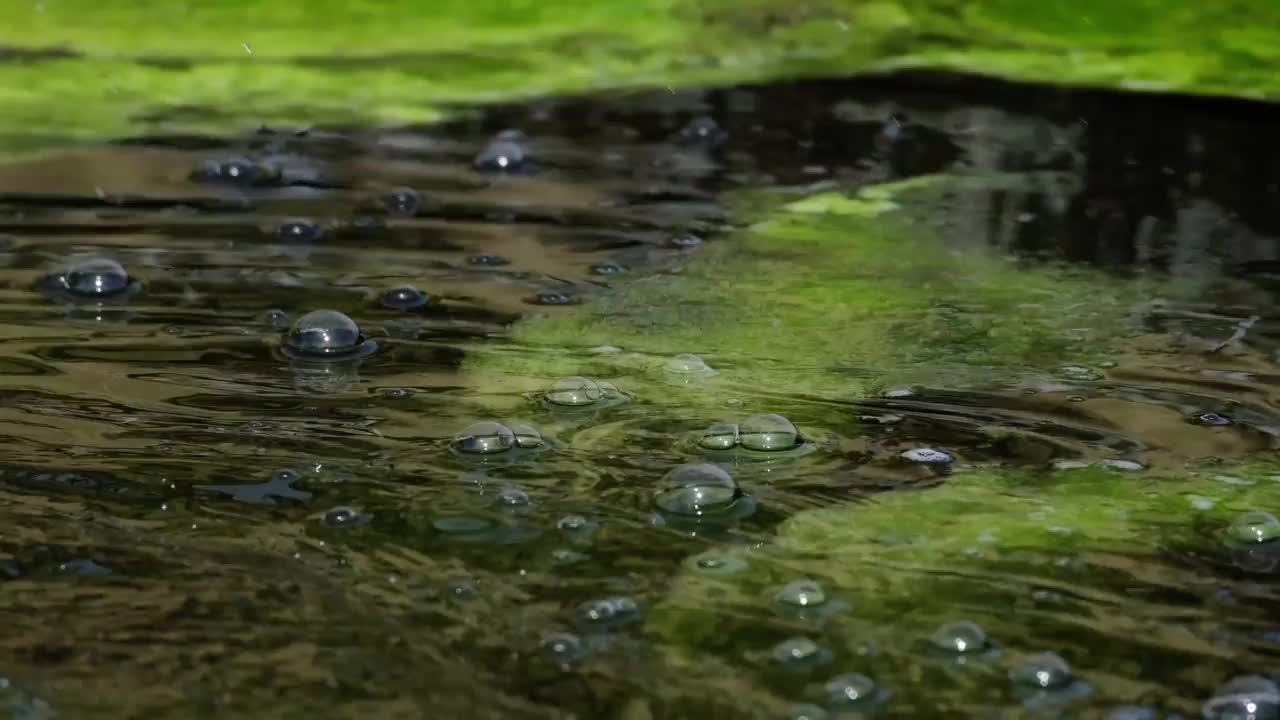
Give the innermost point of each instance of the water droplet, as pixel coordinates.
(484, 438)
(703, 131)
(323, 332)
(849, 689)
(563, 648)
(1249, 697)
(697, 489)
(801, 593)
(1042, 670)
(1211, 419)
(926, 456)
(299, 231)
(608, 611)
(488, 260)
(528, 437)
(93, 277)
(344, 517)
(405, 297)
(799, 653)
(574, 392)
(608, 268)
(768, 433)
(685, 241)
(959, 637)
(275, 318)
(1255, 527)
(805, 711)
(512, 498)
(721, 436)
(552, 298)
(402, 201)
(1123, 465)
(501, 155)
(717, 563)
(688, 363)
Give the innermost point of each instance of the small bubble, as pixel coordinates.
(575, 524)
(685, 241)
(405, 297)
(688, 363)
(234, 171)
(799, 653)
(299, 231)
(768, 433)
(485, 438)
(394, 393)
(501, 155)
(344, 517)
(805, 711)
(703, 131)
(512, 498)
(275, 318)
(552, 298)
(608, 268)
(92, 277)
(849, 689)
(1123, 465)
(488, 260)
(697, 489)
(564, 648)
(1076, 372)
(926, 456)
(898, 393)
(801, 593)
(1132, 712)
(721, 436)
(324, 332)
(1248, 697)
(608, 611)
(566, 556)
(1255, 527)
(461, 591)
(402, 201)
(574, 392)
(1042, 670)
(959, 637)
(717, 563)
(1211, 419)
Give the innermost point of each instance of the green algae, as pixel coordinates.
(98, 69)
(831, 296)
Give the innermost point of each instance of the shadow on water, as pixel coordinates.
(200, 525)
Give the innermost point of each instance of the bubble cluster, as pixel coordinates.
(490, 438)
(579, 392)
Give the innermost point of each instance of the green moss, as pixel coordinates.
(393, 60)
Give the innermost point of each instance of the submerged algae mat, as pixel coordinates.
(1067, 294)
(96, 69)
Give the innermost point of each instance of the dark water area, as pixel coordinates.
(202, 520)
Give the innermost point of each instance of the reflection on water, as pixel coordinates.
(220, 503)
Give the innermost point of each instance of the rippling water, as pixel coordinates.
(199, 525)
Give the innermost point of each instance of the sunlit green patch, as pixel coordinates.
(823, 298)
(233, 64)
